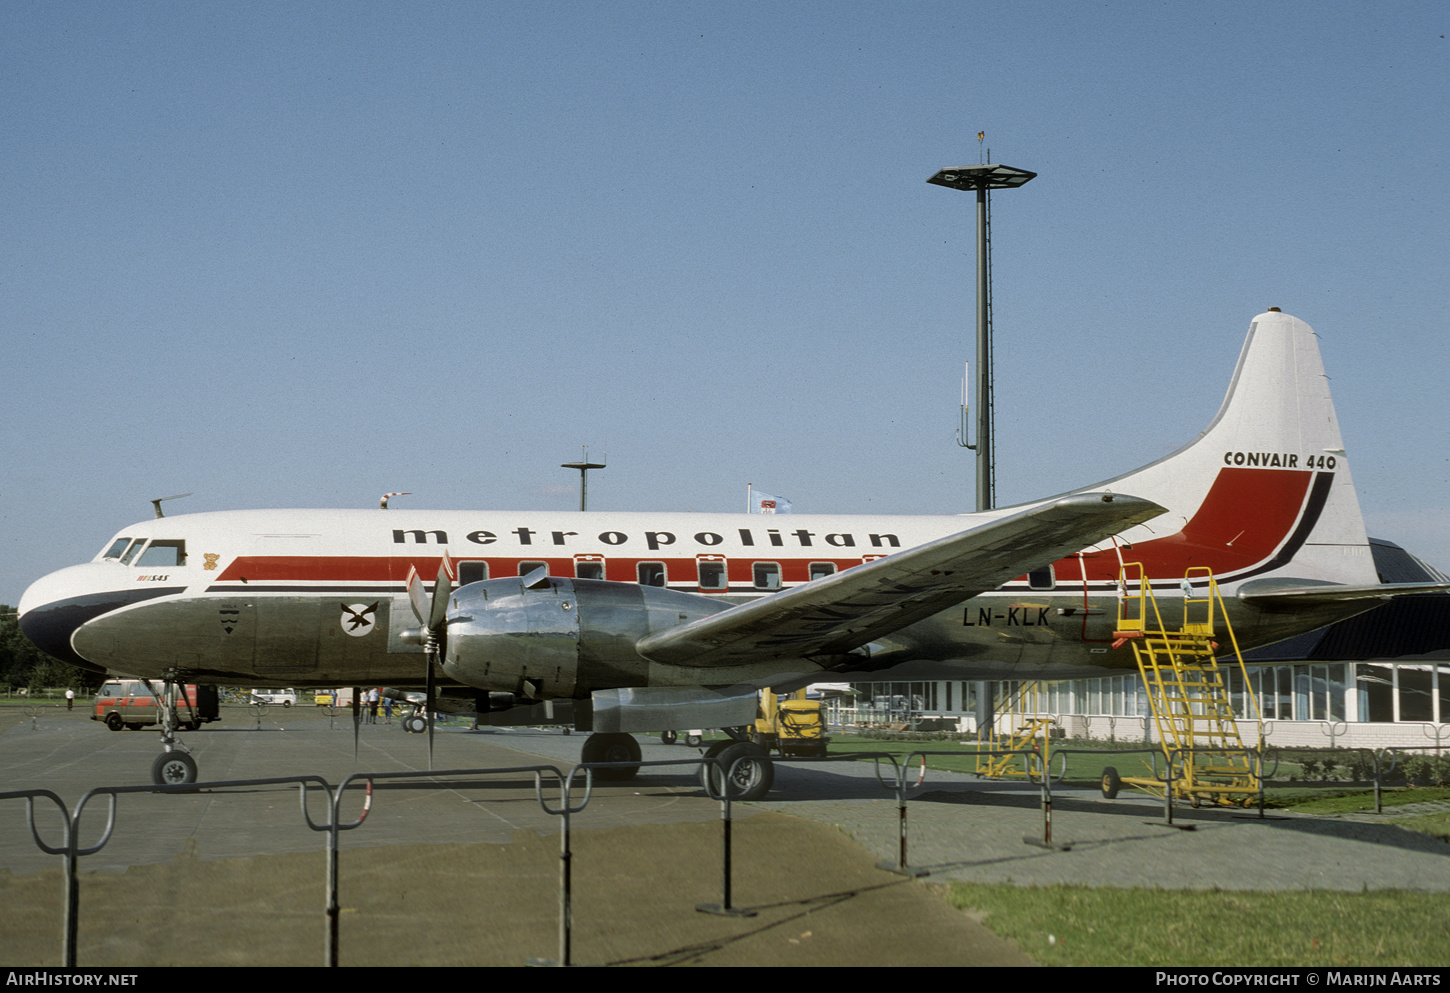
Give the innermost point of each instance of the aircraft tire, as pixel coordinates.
(413, 724)
(693, 740)
(1112, 783)
(173, 768)
(612, 748)
(669, 737)
(751, 780)
(114, 722)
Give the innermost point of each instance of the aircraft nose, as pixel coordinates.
(42, 614)
(54, 606)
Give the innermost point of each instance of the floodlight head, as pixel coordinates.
(982, 177)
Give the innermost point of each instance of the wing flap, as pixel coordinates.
(835, 615)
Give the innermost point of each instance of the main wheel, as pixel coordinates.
(612, 748)
(173, 768)
(1111, 783)
(414, 724)
(669, 737)
(114, 722)
(751, 779)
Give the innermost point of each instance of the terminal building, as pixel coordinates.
(1377, 680)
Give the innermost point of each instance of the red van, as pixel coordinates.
(128, 703)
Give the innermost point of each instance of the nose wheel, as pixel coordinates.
(173, 769)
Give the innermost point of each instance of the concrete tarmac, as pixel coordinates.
(466, 871)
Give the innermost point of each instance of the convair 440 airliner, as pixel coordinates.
(656, 621)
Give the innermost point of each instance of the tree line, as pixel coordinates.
(24, 665)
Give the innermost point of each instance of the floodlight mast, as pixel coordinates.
(983, 178)
(583, 468)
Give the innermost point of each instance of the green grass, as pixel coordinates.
(1356, 801)
(1075, 926)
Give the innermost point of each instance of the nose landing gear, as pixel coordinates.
(173, 766)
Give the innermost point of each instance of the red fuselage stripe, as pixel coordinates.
(1247, 515)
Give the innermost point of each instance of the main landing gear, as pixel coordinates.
(744, 768)
(612, 748)
(747, 771)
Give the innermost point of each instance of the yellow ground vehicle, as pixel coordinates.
(790, 724)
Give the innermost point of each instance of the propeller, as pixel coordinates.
(432, 613)
(356, 719)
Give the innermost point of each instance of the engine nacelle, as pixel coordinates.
(559, 637)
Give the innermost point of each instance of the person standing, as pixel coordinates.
(70, 698)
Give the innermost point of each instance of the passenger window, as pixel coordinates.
(767, 576)
(527, 567)
(163, 554)
(117, 547)
(712, 576)
(651, 574)
(472, 572)
(1041, 579)
(820, 570)
(589, 570)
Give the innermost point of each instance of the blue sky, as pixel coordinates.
(292, 254)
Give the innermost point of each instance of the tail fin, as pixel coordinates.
(1266, 488)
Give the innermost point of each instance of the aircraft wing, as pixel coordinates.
(1282, 595)
(835, 615)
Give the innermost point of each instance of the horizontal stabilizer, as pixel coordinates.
(1273, 594)
(835, 615)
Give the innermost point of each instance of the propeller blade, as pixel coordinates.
(442, 589)
(418, 597)
(428, 706)
(356, 719)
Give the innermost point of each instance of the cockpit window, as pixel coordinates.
(131, 552)
(117, 547)
(163, 553)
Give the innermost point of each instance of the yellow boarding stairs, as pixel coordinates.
(1187, 693)
(1025, 702)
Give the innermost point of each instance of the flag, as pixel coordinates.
(764, 503)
